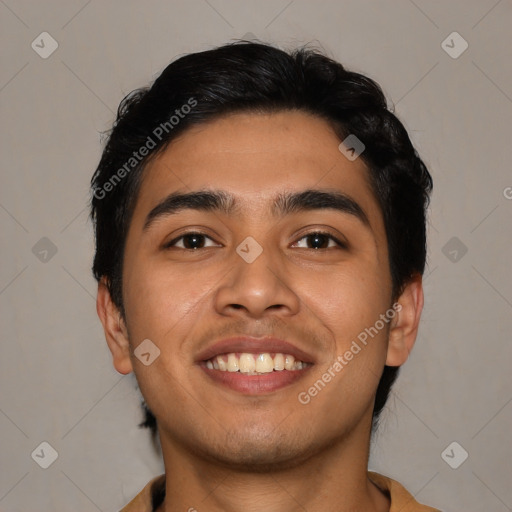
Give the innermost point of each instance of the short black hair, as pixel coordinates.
(254, 77)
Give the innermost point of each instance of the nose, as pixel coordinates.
(259, 287)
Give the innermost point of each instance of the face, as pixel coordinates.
(192, 278)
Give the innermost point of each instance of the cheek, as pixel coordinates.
(348, 299)
(161, 301)
(349, 304)
(162, 305)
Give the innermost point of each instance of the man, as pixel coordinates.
(260, 231)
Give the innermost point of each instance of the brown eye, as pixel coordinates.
(320, 240)
(190, 241)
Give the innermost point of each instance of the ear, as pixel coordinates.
(116, 333)
(404, 328)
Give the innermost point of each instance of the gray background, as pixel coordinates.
(56, 378)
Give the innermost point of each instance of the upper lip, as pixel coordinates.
(254, 346)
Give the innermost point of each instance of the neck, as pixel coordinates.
(333, 479)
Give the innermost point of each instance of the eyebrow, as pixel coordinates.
(284, 203)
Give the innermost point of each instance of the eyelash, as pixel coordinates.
(342, 245)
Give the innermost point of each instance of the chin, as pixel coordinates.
(265, 453)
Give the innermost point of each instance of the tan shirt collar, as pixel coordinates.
(401, 500)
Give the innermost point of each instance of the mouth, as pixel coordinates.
(248, 366)
(255, 364)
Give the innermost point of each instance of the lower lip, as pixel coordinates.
(256, 384)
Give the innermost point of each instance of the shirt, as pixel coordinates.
(153, 495)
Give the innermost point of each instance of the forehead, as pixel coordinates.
(255, 155)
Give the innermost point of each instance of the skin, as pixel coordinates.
(223, 449)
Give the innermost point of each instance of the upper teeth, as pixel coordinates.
(254, 363)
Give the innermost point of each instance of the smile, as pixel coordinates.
(255, 364)
(255, 374)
